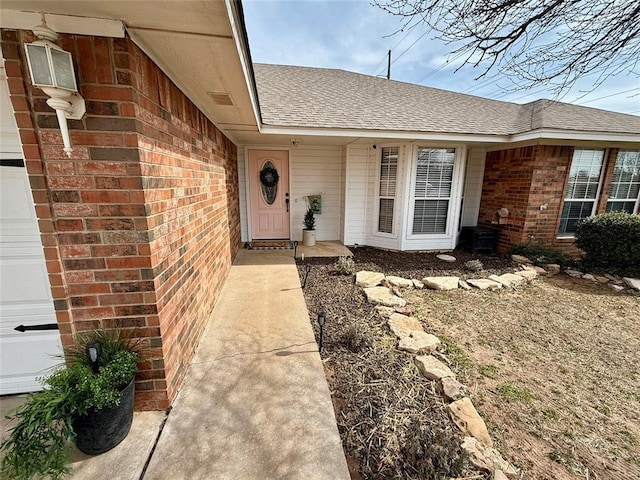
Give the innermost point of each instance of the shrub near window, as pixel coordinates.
(611, 243)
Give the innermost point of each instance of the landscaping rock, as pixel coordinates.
(487, 458)
(474, 265)
(521, 259)
(451, 389)
(367, 279)
(399, 281)
(402, 326)
(466, 417)
(613, 278)
(633, 283)
(404, 310)
(588, 276)
(396, 291)
(417, 284)
(499, 475)
(528, 274)
(617, 288)
(441, 283)
(419, 342)
(573, 273)
(385, 312)
(383, 296)
(446, 258)
(484, 283)
(552, 268)
(540, 270)
(432, 368)
(602, 279)
(508, 280)
(464, 285)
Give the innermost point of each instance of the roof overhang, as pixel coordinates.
(201, 46)
(343, 136)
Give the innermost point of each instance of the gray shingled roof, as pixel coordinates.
(292, 96)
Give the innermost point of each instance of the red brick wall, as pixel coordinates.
(140, 226)
(507, 184)
(523, 179)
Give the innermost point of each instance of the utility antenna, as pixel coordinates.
(389, 66)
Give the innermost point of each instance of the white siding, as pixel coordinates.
(343, 190)
(355, 203)
(473, 187)
(242, 192)
(314, 170)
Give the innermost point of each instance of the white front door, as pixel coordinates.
(269, 192)
(25, 295)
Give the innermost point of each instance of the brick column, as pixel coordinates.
(141, 224)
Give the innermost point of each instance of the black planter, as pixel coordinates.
(101, 430)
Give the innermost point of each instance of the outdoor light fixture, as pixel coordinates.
(322, 318)
(93, 351)
(51, 70)
(306, 274)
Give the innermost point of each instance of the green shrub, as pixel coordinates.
(541, 254)
(611, 243)
(37, 445)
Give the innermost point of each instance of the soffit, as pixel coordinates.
(192, 41)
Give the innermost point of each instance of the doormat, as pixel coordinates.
(269, 245)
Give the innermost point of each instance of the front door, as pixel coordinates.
(269, 192)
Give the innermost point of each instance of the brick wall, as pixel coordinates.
(507, 184)
(523, 179)
(140, 226)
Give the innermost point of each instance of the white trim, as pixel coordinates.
(100, 27)
(622, 200)
(385, 134)
(376, 196)
(455, 199)
(244, 61)
(596, 199)
(579, 135)
(540, 134)
(248, 189)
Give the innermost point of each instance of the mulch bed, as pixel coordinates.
(392, 422)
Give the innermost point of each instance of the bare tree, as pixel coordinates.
(539, 42)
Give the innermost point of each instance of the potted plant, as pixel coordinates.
(89, 401)
(309, 231)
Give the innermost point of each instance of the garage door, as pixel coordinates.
(25, 296)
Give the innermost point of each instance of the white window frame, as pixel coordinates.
(397, 194)
(596, 199)
(455, 197)
(622, 200)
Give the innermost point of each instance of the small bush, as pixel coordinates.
(541, 254)
(345, 266)
(611, 243)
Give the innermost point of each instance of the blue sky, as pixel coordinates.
(354, 35)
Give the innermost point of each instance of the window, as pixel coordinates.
(582, 189)
(387, 191)
(625, 184)
(434, 174)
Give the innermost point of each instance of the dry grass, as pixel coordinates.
(554, 371)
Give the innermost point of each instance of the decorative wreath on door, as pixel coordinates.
(269, 176)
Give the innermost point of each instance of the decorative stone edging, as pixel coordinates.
(386, 293)
(412, 338)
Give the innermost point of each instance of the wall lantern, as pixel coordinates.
(51, 70)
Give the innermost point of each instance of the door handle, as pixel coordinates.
(286, 200)
(43, 326)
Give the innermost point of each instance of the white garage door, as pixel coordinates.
(25, 296)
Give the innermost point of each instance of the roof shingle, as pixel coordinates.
(293, 96)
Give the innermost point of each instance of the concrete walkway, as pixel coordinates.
(255, 402)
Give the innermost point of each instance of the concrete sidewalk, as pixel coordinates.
(255, 402)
